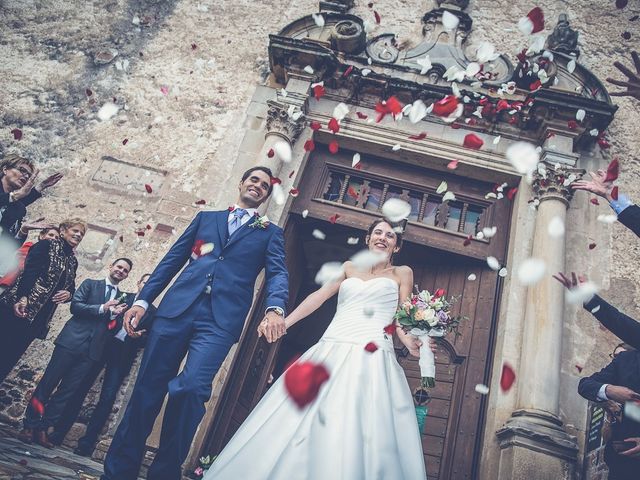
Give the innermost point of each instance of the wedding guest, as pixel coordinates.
(94, 308)
(50, 232)
(48, 280)
(17, 192)
(618, 381)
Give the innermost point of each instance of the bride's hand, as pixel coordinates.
(412, 343)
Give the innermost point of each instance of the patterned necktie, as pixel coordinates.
(236, 221)
(108, 295)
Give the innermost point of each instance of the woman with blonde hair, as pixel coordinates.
(48, 279)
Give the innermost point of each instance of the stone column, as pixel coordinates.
(533, 442)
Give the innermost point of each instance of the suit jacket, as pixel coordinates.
(87, 330)
(630, 218)
(12, 213)
(624, 371)
(622, 326)
(230, 269)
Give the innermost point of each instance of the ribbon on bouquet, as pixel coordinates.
(427, 360)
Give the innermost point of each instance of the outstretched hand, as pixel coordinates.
(570, 283)
(633, 83)
(597, 185)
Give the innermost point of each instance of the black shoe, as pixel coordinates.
(83, 451)
(56, 438)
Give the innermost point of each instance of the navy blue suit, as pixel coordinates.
(203, 325)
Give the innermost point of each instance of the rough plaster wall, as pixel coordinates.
(194, 131)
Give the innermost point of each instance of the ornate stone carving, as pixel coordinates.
(383, 49)
(461, 4)
(281, 122)
(563, 38)
(341, 6)
(554, 182)
(348, 36)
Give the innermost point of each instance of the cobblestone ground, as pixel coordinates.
(20, 461)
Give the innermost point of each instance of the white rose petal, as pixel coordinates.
(596, 309)
(305, 213)
(607, 218)
(632, 411)
(417, 111)
(329, 272)
(442, 187)
(365, 72)
(556, 227)
(318, 234)
(353, 240)
(309, 69)
(107, 111)
(531, 271)
(537, 44)
(580, 115)
(571, 66)
(486, 52)
(283, 150)
(493, 263)
(594, 132)
(365, 260)
(449, 20)
(356, 160)
(396, 210)
(340, 111)
(206, 248)
(319, 19)
(503, 272)
(489, 232)
(472, 69)
(482, 389)
(472, 277)
(278, 195)
(524, 157)
(425, 64)
(497, 140)
(449, 196)
(525, 25)
(396, 147)
(581, 293)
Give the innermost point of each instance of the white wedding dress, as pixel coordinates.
(361, 426)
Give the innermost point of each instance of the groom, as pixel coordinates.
(201, 315)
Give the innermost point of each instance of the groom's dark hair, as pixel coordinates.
(266, 170)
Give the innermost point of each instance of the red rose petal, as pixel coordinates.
(391, 106)
(507, 377)
(473, 141)
(370, 347)
(604, 144)
(315, 125)
(467, 241)
(614, 193)
(23, 462)
(140, 233)
(592, 246)
(201, 202)
(319, 91)
(455, 126)
(362, 116)
(303, 381)
(334, 126)
(537, 18)
(111, 325)
(193, 46)
(294, 192)
(446, 106)
(17, 133)
(271, 153)
(419, 136)
(148, 188)
(37, 405)
(334, 218)
(595, 201)
(291, 174)
(348, 71)
(275, 181)
(440, 292)
(377, 17)
(535, 85)
(452, 165)
(334, 147)
(121, 238)
(390, 329)
(572, 124)
(88, 92)
(512, 193)
(579, 368)
(309, 146)
(613, 170)
(502, 105)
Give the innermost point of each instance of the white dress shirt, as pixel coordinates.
(114, 292)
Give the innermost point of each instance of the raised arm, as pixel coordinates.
(623, 326)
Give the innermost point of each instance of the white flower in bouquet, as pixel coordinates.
(430, 317)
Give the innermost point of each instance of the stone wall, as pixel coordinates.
(183, 79)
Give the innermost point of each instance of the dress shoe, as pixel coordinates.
(26, 435)
(42, 439)
(83, 451)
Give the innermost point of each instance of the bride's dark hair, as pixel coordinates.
(398, 229)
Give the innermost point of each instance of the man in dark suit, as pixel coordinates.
(95, 306)
(201, 315)
(618, 381)
(119, 355)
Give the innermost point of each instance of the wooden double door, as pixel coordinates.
(453, 430)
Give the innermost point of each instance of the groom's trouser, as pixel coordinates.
(195, 333)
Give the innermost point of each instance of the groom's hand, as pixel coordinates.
(131, 319)
(272, 327)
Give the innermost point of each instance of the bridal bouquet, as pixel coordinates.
(427, 315)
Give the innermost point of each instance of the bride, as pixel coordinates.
(362, 425)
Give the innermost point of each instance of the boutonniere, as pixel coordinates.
(201, 248)
(260, 222)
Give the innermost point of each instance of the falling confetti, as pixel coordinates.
(507, 377)
(303, 381)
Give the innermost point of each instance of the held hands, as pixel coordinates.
(272, 327)
(621, 394)
(131, 320)
(20, 308)
(61, 296)
(118, 309)
(597, 185)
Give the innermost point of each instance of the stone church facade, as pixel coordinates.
(205, 91)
